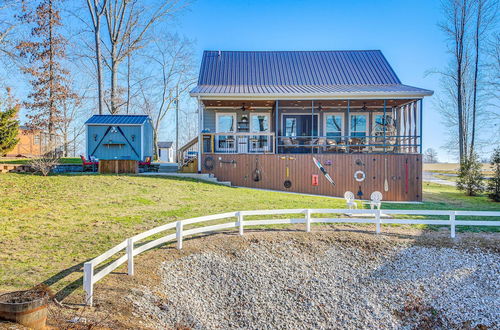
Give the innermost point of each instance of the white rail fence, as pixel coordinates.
(90, 277)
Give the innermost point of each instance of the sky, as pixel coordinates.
(405, 31)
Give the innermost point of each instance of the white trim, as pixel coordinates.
(367, 115)
(142, 144)
(339, 96)
(296, 114)
(114, 124)
(334, 113)
(218, 114)
(267, 114)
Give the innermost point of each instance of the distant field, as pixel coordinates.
(452, 168)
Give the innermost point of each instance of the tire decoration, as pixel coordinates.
(359, 176)
(287, 184)
(209, 163)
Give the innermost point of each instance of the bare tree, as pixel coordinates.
(430, 156)
(170, 77)
(96, 10)
(128, 22)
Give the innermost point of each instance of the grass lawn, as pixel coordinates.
(51, 225)
(67, 160)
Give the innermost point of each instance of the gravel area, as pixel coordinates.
(290, 284)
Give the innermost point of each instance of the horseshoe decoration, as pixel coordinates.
(359, 176)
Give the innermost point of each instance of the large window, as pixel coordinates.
(291, 126)
(259, 123)
(333, 126)
(226, 123)
(358, 125)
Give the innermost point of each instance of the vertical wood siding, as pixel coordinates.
(342, 169)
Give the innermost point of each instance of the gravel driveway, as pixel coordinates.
(292, 283)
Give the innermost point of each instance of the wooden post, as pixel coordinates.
(377, 219)
(308, 220)
(240, 223)
(178, 235)
(88, 274)
(452, 224)
(130, 256)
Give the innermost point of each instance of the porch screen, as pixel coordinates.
(333, 127)
(358, 126)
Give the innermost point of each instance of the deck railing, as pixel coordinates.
(132, 248)
(238, 143)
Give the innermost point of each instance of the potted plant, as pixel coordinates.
(28, 307)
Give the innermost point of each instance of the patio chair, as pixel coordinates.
(288, 143)
(376, 200)
(88, 165)
(147, 166)
(349, 199)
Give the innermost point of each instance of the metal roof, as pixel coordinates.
(165, 144)
(117, 120)
(297, 73)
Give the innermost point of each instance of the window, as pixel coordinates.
(379, 122)
(36, 139)
(333, 126)
(358, 125)
(259, 123)
(290, 126)
(225, 122)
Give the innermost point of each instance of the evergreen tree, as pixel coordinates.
(9, 128)
(470, 178)
(45, 53)
(494, 183)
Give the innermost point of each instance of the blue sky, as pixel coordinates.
(405, 31)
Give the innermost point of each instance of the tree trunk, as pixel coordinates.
(100, 88)
(114, 84)
(476, 69)
(51, 127)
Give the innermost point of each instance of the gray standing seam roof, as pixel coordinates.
(117, 119)
(298, 72)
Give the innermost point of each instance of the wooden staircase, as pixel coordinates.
(188, 157)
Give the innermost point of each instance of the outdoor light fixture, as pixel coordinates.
(133, 137)
(95, 137)
(320, 108)
(243, 108)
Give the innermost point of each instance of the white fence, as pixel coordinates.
(374, 216)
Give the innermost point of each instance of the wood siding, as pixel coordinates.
(239, 170)
(118, 166)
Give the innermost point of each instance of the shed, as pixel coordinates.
(119, 137)
(165, 151)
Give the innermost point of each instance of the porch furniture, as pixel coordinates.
(147, 166)
(288, 143)
(356, 145)
(349, 199)
(88, 165)
(118, 166)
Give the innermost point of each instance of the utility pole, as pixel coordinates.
(177, 124)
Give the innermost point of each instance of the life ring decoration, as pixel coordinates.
(209, 163)
(359, 176)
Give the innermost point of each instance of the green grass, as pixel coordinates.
(67, 160)
(50, 225)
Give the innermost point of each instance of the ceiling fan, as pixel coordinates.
(364, 108)
(244, 107)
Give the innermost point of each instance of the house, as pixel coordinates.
(119, 137)
(32, 143)
(317, 122)
(166, 152)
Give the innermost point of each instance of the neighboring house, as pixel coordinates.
(268, 117)
(119, 137)
(32, 143)
(166, 152)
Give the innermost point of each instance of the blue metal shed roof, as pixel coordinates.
(298, 72)
(117, 119)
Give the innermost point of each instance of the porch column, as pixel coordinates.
(421, 123)
(276, 124)
(348, 125)
(200, 129)
(312, 125)
(385, 124)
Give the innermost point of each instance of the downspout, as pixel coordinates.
(276, 124)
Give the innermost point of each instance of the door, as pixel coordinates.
(301, 129)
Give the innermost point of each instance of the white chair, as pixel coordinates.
(349, 199)
(376, 199)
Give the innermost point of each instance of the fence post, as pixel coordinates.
(377, 219)
(452, 224)
(130, 255)
(178, 235)
(240, 222)
(308, 220)
(88, 274)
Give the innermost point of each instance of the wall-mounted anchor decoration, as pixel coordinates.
(314, 180)
(322, 169)
(209, 163)
(359, 176)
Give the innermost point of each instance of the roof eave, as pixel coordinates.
(302, 96)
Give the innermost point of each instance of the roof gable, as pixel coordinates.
(117, 120)
(281, 68)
